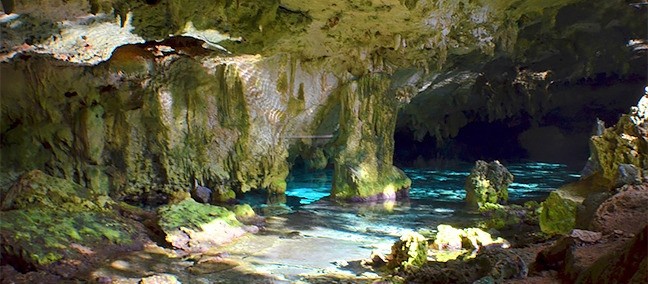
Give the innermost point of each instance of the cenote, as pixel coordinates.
(332, 141)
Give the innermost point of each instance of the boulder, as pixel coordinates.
(491, 263)
(487, 183)
(223, 195)
(195, 227)
(627, 211)
(450, 243)
(559, 212)
(409, 253)
(201, 193)
(629, 174)
(61, 227)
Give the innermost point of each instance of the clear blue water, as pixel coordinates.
(532, 180)
(352, 231)
(436, 197)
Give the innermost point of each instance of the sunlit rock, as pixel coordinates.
(195, 227)
(409, 253)
(618, 150)
(626, 143)
(487, 183)
(160, 279)
(451, 243)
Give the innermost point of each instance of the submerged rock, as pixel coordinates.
(487, 183)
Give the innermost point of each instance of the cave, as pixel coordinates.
(333, 141)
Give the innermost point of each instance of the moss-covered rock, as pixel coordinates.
(558, 215)
(626, 143)
(408, 254)
(498, 216)
(364, 144)
(36, 189)
(487, 184)
(450, 243)
(42, 236)
(197, 227)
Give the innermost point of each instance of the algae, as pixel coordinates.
(42, 236)
(192, 214)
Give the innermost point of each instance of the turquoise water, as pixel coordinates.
(335, 232)
(436, 197)
(532, 180)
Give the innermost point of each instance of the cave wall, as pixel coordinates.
(568, 66)
(147, 126)
(132, 97)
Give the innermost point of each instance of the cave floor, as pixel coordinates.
(314, 240)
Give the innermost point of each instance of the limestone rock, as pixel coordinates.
(65, 242)
(622, 151)
(40, 190)
(501, 263)
(195, 227)
(559, 212)
(628, 174)
(625, 210)
(201, 194)
(160, 279)
(363, 169)
(586, 236)
(626, 265)
(409, 253)
(487, 183)
(450, 243)
(490, 263)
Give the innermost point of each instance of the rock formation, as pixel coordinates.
(614, 151)
(140, 99)
(150, 102)
(487, 184)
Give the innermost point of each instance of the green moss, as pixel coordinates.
(558, 213)
(243, 211)
(498, 216)
(365, 145)
(192, 214)
(409, 253)
(45, 234)
(37, 189)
